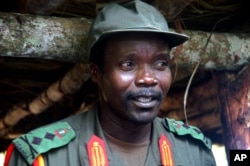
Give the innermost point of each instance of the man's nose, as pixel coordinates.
(146, 77)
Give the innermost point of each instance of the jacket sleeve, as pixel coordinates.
(29, 146)
(209, 159)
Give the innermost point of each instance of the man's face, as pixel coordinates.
(135, 79)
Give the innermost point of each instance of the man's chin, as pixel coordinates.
(141, 120)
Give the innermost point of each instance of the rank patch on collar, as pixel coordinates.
(97, 152)
(43, 139)
(165, 151)
(61, 132)
(181, 128)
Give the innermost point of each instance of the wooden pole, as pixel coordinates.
(234, 98)
(65, 39)
(69, 84)
(43, 37)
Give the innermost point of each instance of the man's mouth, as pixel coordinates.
(145, 102)
(144, 99)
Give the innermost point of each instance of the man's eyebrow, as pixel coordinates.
(163, 54)
(128, 56)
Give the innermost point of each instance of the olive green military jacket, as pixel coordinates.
(64, 143)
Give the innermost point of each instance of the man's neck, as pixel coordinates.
(124, 131)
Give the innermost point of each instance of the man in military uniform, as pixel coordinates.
(129, 49)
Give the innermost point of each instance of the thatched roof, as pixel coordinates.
(23, 79)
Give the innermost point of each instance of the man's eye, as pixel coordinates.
(127, 65)
(161, 65)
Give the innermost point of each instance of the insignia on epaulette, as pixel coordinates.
(97, 152)
(165, 151)
(181, 128)
(43, 139)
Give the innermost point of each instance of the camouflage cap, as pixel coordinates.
(133, 16)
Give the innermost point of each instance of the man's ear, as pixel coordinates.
(95, 73)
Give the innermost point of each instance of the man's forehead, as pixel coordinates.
(135, 45)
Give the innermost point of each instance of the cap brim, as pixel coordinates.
(172, 38)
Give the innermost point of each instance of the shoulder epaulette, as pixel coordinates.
(43, 139)
(181, 128)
